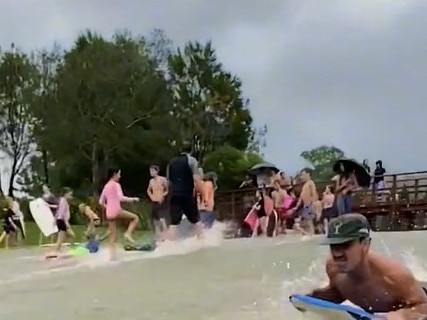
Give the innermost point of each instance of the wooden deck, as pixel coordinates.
(402, 205)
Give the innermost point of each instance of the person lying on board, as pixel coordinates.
(370, 280)
(91, 246)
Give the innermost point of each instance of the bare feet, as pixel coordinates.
(129, 238)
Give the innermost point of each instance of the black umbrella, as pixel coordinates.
(262, 167)
(352, 166)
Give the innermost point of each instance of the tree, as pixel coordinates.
(159, 47)
(231, 165)
(132, 101)
(208, 101)
(321, 159)
(106, 93)
(19, 84)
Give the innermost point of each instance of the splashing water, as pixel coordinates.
(315, 277)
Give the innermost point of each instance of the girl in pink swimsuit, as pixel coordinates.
(111, 198)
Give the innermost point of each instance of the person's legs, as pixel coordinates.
(155, 220)
(341, 204)
(4, 237)
(192, 213)
(124, 214)
(112, 238)
(310, 226)
(93, 220)
(348, 202)
(175, 214)
(207, 218)
(62, 232)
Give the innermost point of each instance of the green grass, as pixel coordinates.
(33, 234)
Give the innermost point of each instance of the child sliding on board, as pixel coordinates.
(90, 247)
(62, 218)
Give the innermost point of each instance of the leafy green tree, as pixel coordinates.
(231, 165)
(321, 159)
(208, 101)
(106, 94)
(19, 85)
(133, 101)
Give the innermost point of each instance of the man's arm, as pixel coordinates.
(150, 189)
(165, 187)
(198, 183)
(330, 292)
(412, 293)
(314, 190)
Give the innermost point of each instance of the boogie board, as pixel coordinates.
(329, 310)
(251, 219)
(140, 247)
(43, 217)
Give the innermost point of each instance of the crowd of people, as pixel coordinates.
(184, 192)
(282, 204)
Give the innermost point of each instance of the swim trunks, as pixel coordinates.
(207, 218)
(305, 212)
(62, 226)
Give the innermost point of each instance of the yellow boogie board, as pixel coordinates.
(328, 310)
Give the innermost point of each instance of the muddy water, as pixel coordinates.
(233, 279)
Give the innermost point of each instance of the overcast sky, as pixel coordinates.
(349, 73)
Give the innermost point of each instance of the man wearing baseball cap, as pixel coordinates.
(346, 229)
(375, 282)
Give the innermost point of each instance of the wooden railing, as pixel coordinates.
(404, 196)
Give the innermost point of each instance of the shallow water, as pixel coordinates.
(234, 279)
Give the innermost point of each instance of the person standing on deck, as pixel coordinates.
(346, 183)
(379, 176)
(185, 182)
(157, 191)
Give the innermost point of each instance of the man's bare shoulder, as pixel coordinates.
(393, 270)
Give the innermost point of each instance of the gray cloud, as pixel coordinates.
(344, 72)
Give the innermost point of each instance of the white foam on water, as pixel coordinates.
(212, 238)
(315, 277)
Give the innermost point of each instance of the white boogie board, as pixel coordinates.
(43, 217)
(328, 310)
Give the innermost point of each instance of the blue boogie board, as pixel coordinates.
(328, 310)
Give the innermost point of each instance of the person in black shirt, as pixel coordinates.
(8, 227)
(184, 182)
(379, 176)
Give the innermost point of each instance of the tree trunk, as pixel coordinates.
(45, 167)
(95, 169)
(12, 176)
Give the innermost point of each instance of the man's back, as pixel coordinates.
(180, 176)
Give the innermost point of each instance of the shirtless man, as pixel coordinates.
(304, 208)
(345, 184)
(157, 191)
(374, 282)
(278, 196)
(206, 207)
